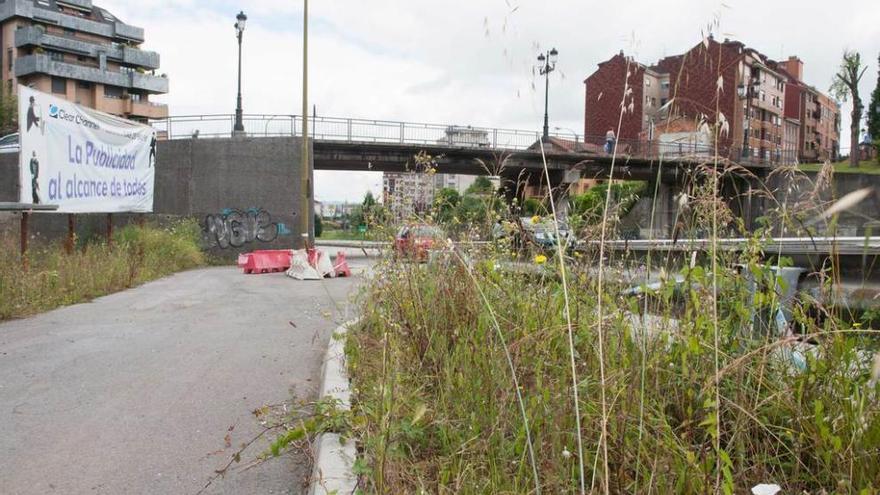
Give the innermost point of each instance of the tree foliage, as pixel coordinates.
(845, 85)
(874, 108)
(482, 185)
(8, 112)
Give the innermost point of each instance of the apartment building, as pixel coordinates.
(675, 104)
(80, 52)
(818, 114)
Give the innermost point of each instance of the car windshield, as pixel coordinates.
(10, 139)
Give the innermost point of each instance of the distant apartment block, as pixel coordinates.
(82, 53)
(407, 194)
(769, 113)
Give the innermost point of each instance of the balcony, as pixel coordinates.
(42, 64)
(146, 109)
(35, 36)
(117, 30)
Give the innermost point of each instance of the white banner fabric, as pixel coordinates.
(83, 160)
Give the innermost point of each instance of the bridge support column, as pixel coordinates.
(665, 208)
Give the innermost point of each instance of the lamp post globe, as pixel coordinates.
(241, 20)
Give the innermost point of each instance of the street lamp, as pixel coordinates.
(548, 65)
(239, 29)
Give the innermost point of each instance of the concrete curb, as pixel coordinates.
(334, 456)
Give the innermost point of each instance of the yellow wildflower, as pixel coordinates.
(536, 219)
(540, 259)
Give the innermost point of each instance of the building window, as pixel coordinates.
(664, 84)
(56, 56)
(647, 82)
(112, 92)
(59, 85)
(83, 85)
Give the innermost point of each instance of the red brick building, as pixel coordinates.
(715, 85)
(605, 98)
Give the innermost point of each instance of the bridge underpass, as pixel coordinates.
(345, 144)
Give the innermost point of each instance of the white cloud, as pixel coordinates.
(464, 61)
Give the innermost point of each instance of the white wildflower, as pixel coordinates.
(565, 453)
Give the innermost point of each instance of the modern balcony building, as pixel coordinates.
(766, 111)
(80, 52)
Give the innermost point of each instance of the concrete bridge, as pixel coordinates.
(389, 146)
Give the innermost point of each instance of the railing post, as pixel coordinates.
(401, 132)
(495, 138)
(349, 129)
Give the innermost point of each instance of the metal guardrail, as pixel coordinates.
(348, 130)
(847, 246)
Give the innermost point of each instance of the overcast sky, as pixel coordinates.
(466, 62)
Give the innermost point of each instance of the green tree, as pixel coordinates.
(319, 225)
(369, 200)
(446, 202)
(8, 112)
(482, 185)
(874, 109)
(844, 85)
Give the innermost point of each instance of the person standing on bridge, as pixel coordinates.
(609, 141)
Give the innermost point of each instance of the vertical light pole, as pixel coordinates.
(548, 65)
(239, 28)
(305, 183)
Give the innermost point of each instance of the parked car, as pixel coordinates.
(416, 241)
(10, 143)
(542, 233)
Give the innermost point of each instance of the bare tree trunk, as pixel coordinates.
(854, 130)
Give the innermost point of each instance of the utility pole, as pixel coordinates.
(306, 164)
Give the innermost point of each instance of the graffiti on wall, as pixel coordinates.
(235, 228)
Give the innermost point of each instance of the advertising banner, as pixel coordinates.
(83, 160)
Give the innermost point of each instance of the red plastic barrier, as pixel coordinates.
(341, 265)
(267, 261)
(243, 259)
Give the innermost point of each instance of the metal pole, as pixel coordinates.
(239, 125)
(71, 232)
(110, 230)
(547, 98)
(24, 240)
(305, 185)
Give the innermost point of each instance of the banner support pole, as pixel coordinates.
(24, 240)
(71, 233)
(109, 230)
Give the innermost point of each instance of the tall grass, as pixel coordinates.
(434, 396)
(54, 278)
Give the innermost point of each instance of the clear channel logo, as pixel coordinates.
(53, 111)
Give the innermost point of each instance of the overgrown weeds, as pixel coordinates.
(138, 254)
(438, 411)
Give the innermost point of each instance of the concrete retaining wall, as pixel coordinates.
(245, 193)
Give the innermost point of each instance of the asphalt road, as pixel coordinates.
(135, 392)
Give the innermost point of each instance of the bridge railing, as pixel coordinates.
(347, 130)
(396, 132)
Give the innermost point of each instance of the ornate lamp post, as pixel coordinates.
(239, 28)
(548, 65)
